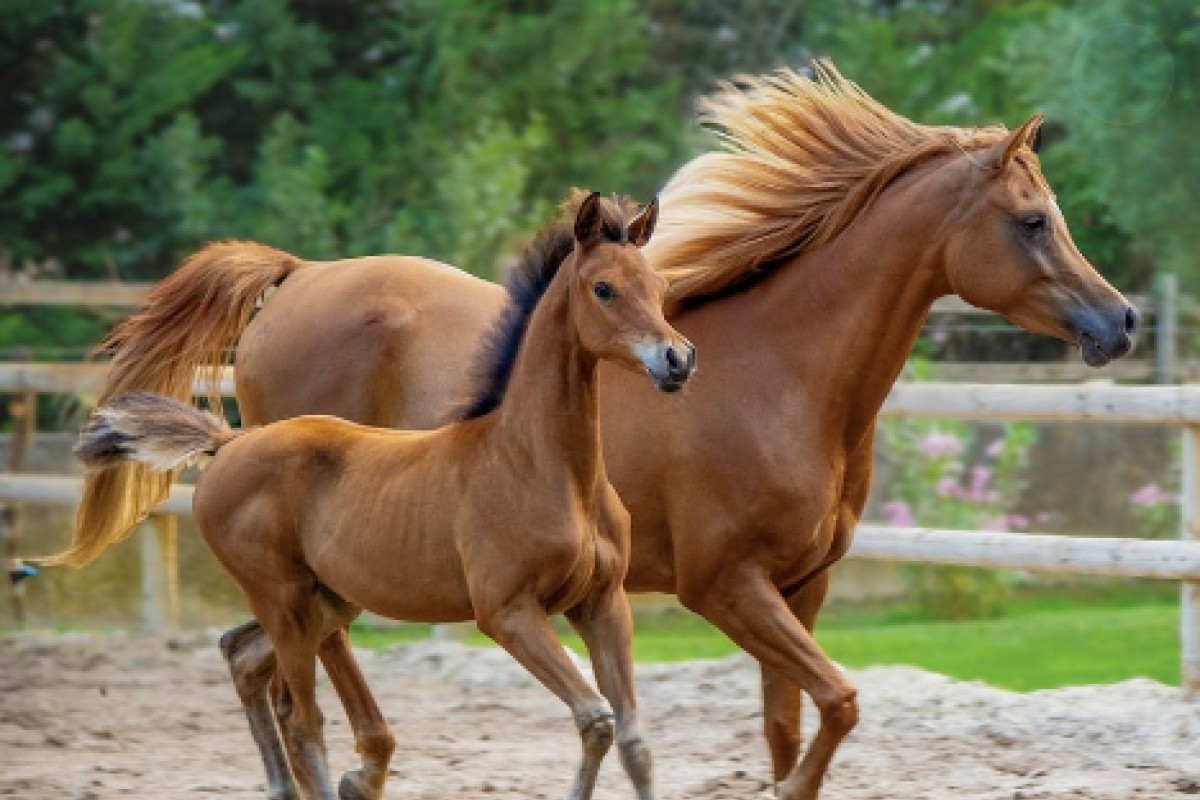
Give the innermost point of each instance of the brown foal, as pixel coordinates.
(804, 256)
(505, 516)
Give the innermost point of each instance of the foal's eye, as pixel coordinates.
(604, 291)
(1035, 223)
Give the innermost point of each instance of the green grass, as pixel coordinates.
(1042, 642)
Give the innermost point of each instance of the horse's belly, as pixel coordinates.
(385, 555)
(411, 587)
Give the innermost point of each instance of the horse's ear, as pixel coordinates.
(1035, 141)
(587, 220)
(642, 226)
(1023, 136)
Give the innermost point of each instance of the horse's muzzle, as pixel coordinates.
(1106, 335)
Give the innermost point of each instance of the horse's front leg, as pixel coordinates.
(520, 626)
(606, 626)
(743, 603)
(783, 699)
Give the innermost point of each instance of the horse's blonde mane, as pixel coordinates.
(802, 159)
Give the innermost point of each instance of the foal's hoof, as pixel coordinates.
(352, 787)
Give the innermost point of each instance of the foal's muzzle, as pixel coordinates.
(669, 364)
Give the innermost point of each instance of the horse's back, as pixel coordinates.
(394, 338)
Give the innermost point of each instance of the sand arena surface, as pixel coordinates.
(91, 718)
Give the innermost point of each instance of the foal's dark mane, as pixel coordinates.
(527, 283)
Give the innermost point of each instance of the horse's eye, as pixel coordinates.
(1035, 223)
(604, 291)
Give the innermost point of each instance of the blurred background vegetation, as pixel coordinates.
(133, 131)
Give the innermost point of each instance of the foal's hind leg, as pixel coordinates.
(251, 658)
(291, 614)
(521, 628)
(606, 626)
(372, 735)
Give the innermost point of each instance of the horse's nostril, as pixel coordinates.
(1131, 320)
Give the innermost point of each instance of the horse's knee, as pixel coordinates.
(840, 712)
(232, 640)
(250, 658)
(597, 727)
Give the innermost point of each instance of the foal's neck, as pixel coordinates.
(550, 409)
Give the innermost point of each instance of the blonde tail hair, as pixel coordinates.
(189, 322)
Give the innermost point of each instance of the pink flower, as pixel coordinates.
(898, 513)
(1042, 518)
(1152, 495)
(948, 487)
(995, 449)
(941, 445)
(980, 478)
(998, 524)
(1018, 522)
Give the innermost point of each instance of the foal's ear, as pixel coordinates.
(642, 226)
(1027, 134)
(588, 220)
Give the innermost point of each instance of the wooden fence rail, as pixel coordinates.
(1163, 405)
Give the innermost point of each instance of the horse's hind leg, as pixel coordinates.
(372, 735)
(606, 626)
(290, 612)
(522, 629)
(251, 658)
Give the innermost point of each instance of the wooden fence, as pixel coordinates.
(1171, 560)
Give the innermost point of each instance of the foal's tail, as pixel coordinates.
(150, 429)
(189, 322)
(157, 432)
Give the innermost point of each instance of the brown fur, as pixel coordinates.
(503, 518)
(745, 493)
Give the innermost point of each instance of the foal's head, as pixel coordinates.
(1010, 251)
(617, 299)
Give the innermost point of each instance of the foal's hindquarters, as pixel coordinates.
(384, 545)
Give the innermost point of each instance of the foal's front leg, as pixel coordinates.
(520, 626)
(606, 626)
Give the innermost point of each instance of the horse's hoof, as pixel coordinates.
(351, 789)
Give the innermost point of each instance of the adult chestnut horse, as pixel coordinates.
(504, 516)
(804, 257)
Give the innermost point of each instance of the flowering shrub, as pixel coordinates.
(945, 478)
(1157, 510)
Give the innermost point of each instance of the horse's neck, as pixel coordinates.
(550, 410)
(842, 320)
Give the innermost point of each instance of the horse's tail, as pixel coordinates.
(150, 429)
(190, 320)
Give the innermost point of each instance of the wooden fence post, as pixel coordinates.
(158, 537)
(1165, 310)
(24, 415)
(1189, 612)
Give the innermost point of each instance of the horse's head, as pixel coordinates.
(617, 300)
(1010, 251)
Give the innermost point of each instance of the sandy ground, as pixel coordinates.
(88, 718)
